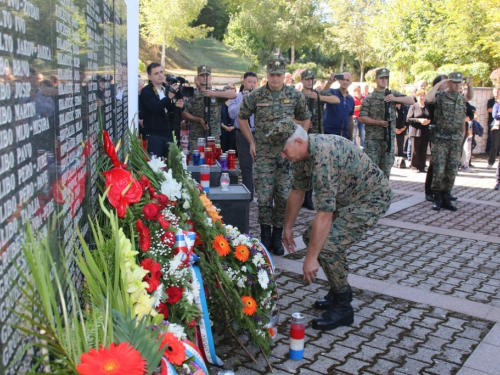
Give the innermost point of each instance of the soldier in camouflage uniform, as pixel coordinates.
(449, 118)
(194, 108)
(372, 114)
(352, 193)
(273, 175)
(316, 109)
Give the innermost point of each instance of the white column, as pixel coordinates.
(133, 60)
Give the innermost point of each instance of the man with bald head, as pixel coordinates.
(338, 118)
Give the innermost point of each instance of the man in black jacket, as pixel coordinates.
(156, 100)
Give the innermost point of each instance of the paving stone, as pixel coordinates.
(352, 366)
(321, 364)
(411, 367)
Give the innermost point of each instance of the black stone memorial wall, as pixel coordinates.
(63, 72)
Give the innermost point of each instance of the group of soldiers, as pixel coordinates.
(351, 188)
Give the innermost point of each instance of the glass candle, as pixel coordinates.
(224, 181)
(297, 334)
(209, 156)
(196, 157)
(231, 159)
(201, 148)
(223, 162)
(211, 142)
(218, 151)
(205, 177)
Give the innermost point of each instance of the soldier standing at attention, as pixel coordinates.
(449, 118)
(352, 193)
(273, 175)
(315, 100)
(194, 108)
(372, 114)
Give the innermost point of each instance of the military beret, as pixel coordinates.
(456, 77)
(204, 69)
(276, 65)
(307, 74)
(382, 72)
(280, 132)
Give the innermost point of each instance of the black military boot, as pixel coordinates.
(446, 204)
(265, 236)
(308, 202)
(437, 201)
(341, 314)
(429, 196)
(276, 243)
(453, 198)
(328, 302)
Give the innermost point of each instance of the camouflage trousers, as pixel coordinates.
(376, 150)
(349, 225)
(273, 181)
(196, 131)
(445, 159)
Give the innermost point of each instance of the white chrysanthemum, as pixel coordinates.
(263, 279)
(241, 283)
(175, 263)
(158, 294)
(177, 330)
(195, 285)
(170, 187)
(257, 259)
(244, 269)
(156, 164)
(189, 295)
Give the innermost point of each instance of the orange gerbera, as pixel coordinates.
(241, 253)
(221, 245)
(250, 305)
(174, 350)
(121, 359)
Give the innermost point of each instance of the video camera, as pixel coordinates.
(183, 91)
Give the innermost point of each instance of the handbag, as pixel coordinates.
(495, 124)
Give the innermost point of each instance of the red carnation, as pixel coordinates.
(144, 235)
(192, 324)
(163, 309)
(165, 224)
(168, 238)
(152, 192)
(162, 200)
(154, 275)
(174, 294)
(145, 183)
(151, 211)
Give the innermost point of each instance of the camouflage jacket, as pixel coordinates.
(373, 106)
(449, 115)
(339, 172)
(317, 112)
(196, 107)
(288, 103)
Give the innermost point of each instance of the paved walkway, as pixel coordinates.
(426, 290)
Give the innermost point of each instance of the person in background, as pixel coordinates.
(401, 127)
(263, 81)
(228, 135)
(494, 131)
(359, 127)
(318, 86)
(419, 118)
(289, 80)
(489, 107)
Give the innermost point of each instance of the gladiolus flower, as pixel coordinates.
(124, 189)
(241, 253)
(174, 294)
(221, 245)
(153, 278)
(250, 305)
(174, 350)
(121, 359)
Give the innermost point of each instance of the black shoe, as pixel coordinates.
(328, 302)
(446, 202)
(265, 236)
(416, 170)
(308, 202)
(429, 197)
(497, 187)
(341, 314)
(452, 198)
(437, 201)
(276, 243)
(422, 170)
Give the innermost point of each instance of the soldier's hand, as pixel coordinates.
(443, 84)
(310, 269)
(288, 240)
(252, 151)
(331, 79)
(203, 123)
(390, 98)
(313, 95)
(209, 93)
(382, 123)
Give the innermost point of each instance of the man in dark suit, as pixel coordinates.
(156, 100)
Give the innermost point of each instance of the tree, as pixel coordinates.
(163, 22)
(215, 14)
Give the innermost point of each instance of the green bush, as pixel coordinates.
(142, 66)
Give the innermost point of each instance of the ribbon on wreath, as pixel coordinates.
(191, 352)
(204, 331)
(267, 255)
(184, 242)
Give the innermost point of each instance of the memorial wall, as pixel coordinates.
(63, 74)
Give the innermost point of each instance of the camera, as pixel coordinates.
(339, 77)
(183, 91)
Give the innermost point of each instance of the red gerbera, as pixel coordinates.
(124, 189)
(165, 224)
(174, 294)
(144, 235)
(163, 309)
(121, 359)
(154, 275)
(174, 350)
(109, 148)
(168, 238)
(221, 245)
(151, 211)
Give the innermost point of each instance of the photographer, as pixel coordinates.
(182, 92)
(156, 101)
